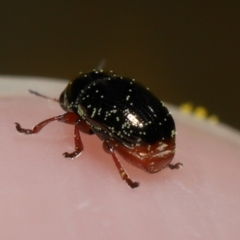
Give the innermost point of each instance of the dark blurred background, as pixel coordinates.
(182, 50)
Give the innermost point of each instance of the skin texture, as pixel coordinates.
(45, 196)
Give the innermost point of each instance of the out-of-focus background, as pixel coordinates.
(182, 50)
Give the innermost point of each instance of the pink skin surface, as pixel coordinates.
(45, 196)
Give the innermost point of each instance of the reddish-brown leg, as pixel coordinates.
(175, 166)
(109, 149)
(70, 118)
(78, 144)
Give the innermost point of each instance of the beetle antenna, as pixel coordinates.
(101, 64)
(43, 96)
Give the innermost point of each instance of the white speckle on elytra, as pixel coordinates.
(127, 98)
(93, 113)
(102, 96)
(173, 132)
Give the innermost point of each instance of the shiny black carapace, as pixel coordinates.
(124, 115)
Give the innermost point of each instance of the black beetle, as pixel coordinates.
(124, 115)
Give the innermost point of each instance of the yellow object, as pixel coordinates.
(186, 108)
(199, 112)
(213, 119)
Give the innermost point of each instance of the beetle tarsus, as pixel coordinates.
(132, 184)
(175, 166)
(72, 155)
(23, 130)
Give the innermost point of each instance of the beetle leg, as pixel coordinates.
(78, 144)
(109, 149)
(68, 117)
(175, 166)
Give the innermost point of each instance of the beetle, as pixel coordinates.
(128, 119)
